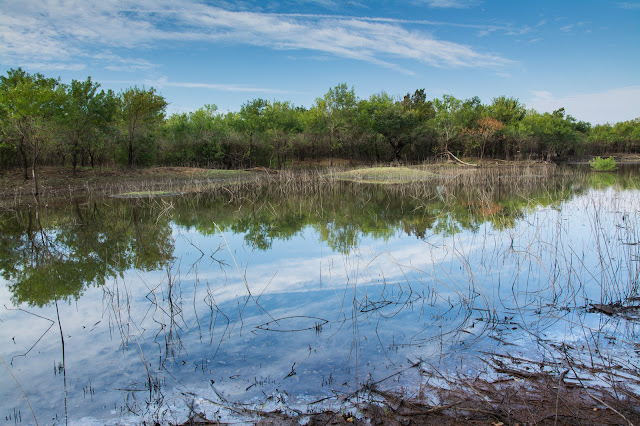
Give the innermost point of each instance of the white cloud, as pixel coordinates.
(164, 82)
(119, 63)
(74, 30)
(457, 4)
(629, 5)
(611, 106)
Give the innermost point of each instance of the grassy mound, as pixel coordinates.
(388, 175)
(147, 194)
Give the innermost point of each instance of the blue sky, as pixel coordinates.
(581, 55)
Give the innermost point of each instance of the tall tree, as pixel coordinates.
(251, 121)
(510, 112)
(447, 120)
(141, 112)
(282, 120)
(506, 110)
(86, 111)
(338, 106)
(418, 104)
(394, 121)
(30, 104)
(552, 134)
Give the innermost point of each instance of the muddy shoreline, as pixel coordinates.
(60, 182)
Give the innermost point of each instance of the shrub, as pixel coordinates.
(603, 164)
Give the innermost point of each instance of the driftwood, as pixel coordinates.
(450, 154)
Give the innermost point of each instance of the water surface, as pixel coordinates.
(283, 294)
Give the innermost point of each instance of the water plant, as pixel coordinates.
(600, 164)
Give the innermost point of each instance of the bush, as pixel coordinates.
(603, 164)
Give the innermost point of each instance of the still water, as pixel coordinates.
(123, 310)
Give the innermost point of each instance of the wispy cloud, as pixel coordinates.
(73, 30)
(602, 107)
(629, 5)
(504, 28)
(578, 26)
(457, 4)
(164, 82)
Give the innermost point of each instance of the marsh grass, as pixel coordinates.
(146, 194)
(59, 186)
(574, 381)
(591, 376)
(385, 175)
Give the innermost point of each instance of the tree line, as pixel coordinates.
(46, 122)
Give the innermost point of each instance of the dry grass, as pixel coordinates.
(386, 175)
(58, 183)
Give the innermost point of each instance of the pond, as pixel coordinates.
(300, 294)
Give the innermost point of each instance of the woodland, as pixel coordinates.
(46, 122)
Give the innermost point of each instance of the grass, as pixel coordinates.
(193, 172)
(143, 194)
(603, 164)
(385, 175)
(57, 184)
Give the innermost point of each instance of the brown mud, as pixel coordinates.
(516, 397)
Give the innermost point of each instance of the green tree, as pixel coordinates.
(394, 121)
(252, 123)
(87, 113)
(30, 104)
(315, 129)
(447, 120)
(510, 112)
(338, 107)
(193, 138)
(506, 110)
(141, 112)
(418, 104)
(552, 134)
(282, 122)
(623, 136)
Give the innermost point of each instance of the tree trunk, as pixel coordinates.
(250, 149)
(36, 186)
(131, 153)
(74, 158)
(25, 164)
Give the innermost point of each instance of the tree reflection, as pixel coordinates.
(345, 213)
(49, 253)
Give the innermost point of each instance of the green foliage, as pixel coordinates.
(141, 112)
(552, 135)
(452, 118)
(620, 137)
(195, 138)
(506, 110)
(338, 109)
(30, 104)
(397, 126)
(87, 115)
(56, 253)
(44, 121)
(603, 164)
